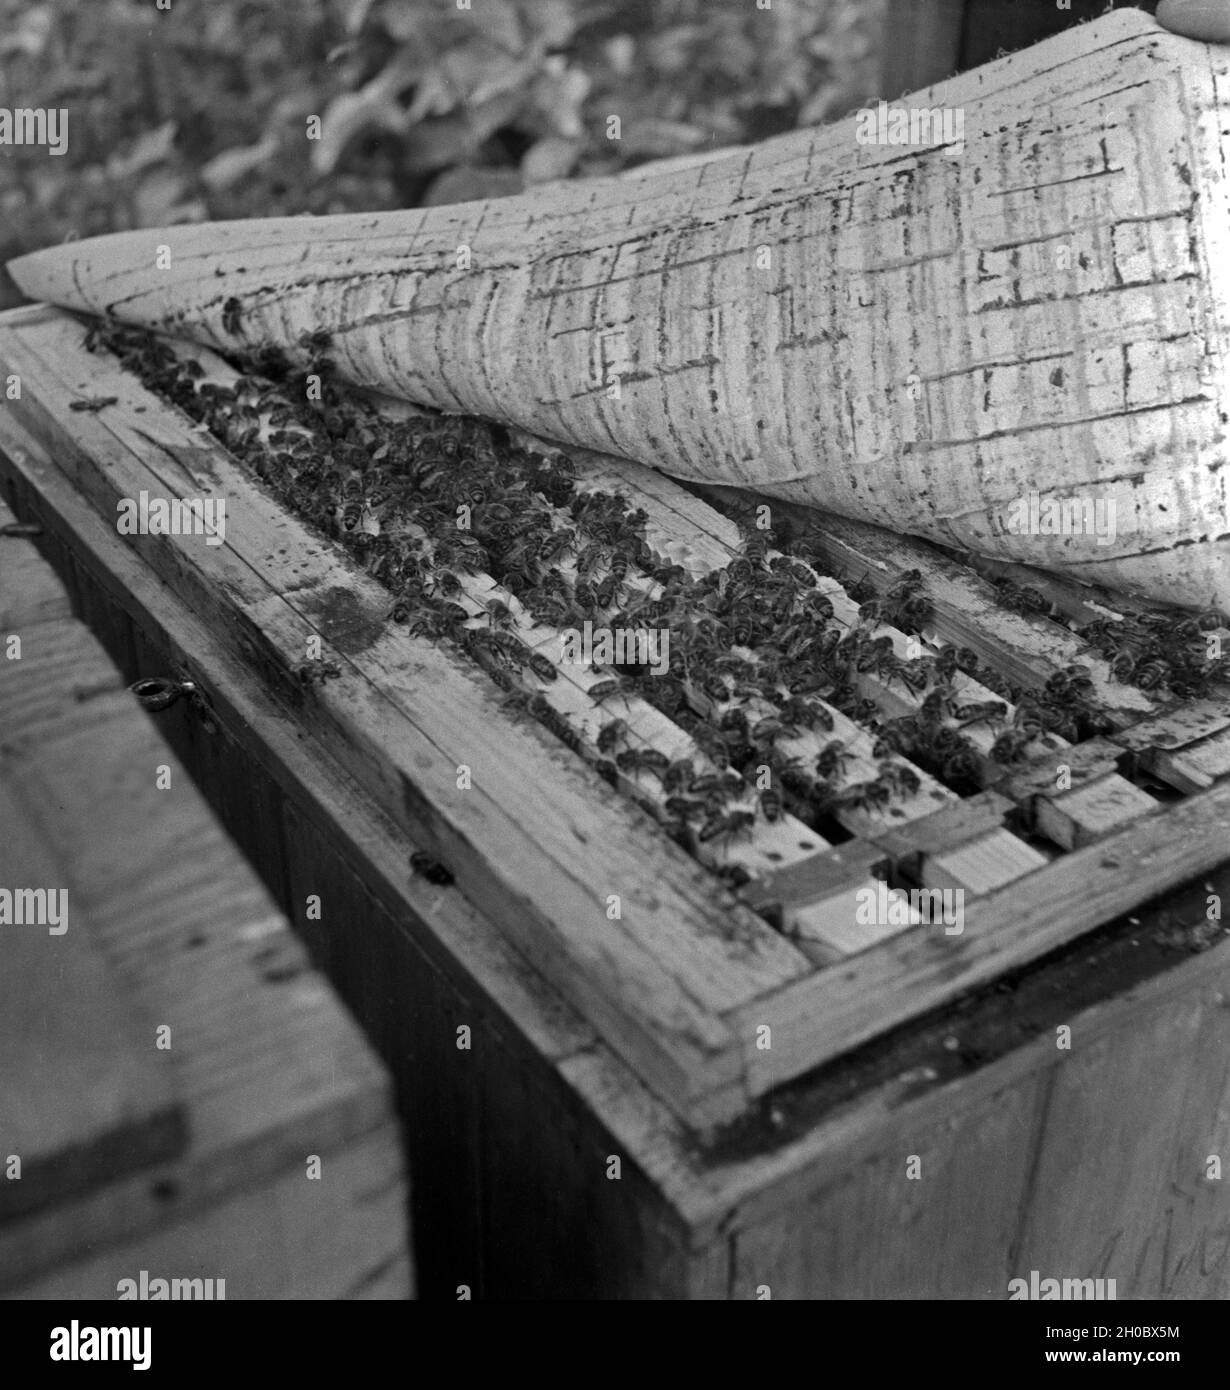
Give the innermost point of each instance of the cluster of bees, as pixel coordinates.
(1149, 650)
(756, 655)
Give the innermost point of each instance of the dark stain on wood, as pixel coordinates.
(348, 625)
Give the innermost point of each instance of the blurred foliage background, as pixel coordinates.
(201, 111)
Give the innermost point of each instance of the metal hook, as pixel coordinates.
(158, 692)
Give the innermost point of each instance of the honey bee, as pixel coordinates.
(232, 309)
(937, 704)
(430, 869)
(831, 759)
(352, 500)
(1011, 746)
(727, 826)
(734, 876)
(642, 759)
(715, 688)
(315, 341)
(863, 796)
(1150, 674)
(678, 775)
(771, 804)
(979, 711)
(607, 591)
(542, 667)
(610, 734)
(603, 690)
(767, 730)
(499, 615)
(444, 582)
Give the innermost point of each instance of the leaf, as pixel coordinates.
(226, 169)
(146, 150)
(372, 107)
(156, 194)
(556, 96)
(30, 35)
(550, 158)
(465, 184)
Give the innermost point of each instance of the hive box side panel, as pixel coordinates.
(288, 1239)
(1088, 1162)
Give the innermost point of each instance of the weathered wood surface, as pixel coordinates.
(267, 1068)
(940, 329)
(85, 1096)
(679, 985)
(408, 716)
(680, 1223)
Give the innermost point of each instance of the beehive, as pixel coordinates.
(762, 1070)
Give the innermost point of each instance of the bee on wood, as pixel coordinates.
(768, 730)
(499, 615)
(979, 712)
(607, 592)
(444, 582)
(937, 704)
(316, 672)
(642, 760)
(715, 689)
(727, 826)
(734, 721)
(430, 869)
(733, 876)
(557, 545)
(832, 759)
(542, 667)
(352, 500)
(904, 778)
(232, 309)
(603, 690)
(611, 734)
(400, 612)
(771, 804)
(960, 766)
(863, 796)
(712, 745)
(315, 341)
(707, 783)
(1011, 746)
(1022, 598)
(683, 808)
(678, 775)
(1150, 674)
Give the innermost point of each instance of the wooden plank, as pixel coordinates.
(968, 819)
(1197, 766)
(980, 865)
(340, 1237)
(84, 1094)
(1098, 1106)
(816, 1019)
(428, 718)
(929, 1217)
(1082, 815)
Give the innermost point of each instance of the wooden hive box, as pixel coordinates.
(168, 1058)
(797, 1103)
